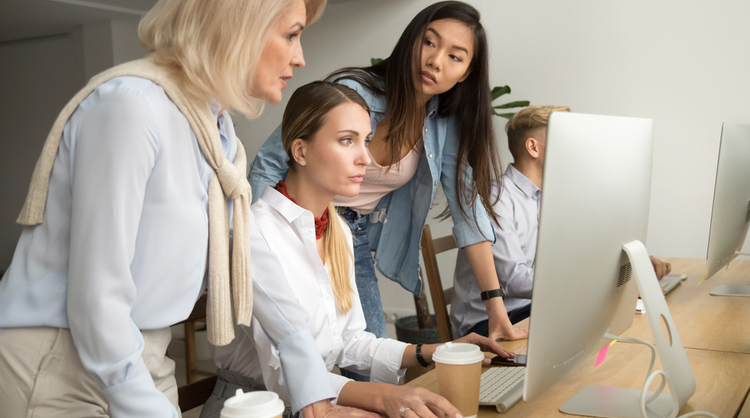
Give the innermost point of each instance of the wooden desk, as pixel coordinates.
(704, 321)
(714, 330)
(722, 381)
(745, 413)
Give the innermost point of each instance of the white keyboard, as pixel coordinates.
(670, 281)
(501, 387)
(667, 283)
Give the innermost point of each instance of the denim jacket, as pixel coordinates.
(401, 214)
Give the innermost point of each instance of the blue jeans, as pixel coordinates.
(366, 280)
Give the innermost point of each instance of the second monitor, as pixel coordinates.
(730, 216)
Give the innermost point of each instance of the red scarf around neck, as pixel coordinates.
(320, 223)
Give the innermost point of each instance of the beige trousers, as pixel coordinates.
(41, 374)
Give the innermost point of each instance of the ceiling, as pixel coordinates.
(24, 19)
(27, 19)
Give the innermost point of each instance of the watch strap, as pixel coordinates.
(497, 293)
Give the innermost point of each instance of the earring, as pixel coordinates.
(303, 162)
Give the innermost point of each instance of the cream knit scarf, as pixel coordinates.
(229, 181)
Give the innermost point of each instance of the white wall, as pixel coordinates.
(684, 64)
(97, 48)
(37, 78)
(126, 46)
(109, 43)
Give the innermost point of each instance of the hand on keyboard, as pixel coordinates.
(661, 268)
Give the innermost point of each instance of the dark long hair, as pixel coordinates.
(470, 101)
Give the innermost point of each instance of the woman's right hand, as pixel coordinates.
(416, 402)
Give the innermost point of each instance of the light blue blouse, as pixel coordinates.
(403, 212)
(124, 243)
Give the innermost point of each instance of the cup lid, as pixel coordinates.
(457, 353)
(259, 404)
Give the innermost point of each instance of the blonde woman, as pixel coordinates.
(325, 132)
(128, 220)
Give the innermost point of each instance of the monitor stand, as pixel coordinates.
(609, 401)
(731, 290)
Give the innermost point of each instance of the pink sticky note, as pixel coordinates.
(602, 354)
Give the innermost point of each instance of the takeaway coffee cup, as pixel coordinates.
(260, 404)
(459, 369)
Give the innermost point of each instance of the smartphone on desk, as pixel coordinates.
(518, 360)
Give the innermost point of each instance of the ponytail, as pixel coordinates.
(339, 258)
(304, 115)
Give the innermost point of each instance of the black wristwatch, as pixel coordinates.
(497, 293)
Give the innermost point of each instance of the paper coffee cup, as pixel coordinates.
(459, 370)
(260, 404)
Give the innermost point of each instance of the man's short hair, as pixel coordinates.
(522, 125)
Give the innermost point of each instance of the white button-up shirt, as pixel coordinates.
(341, 339)
(514, 252)
(124, 246)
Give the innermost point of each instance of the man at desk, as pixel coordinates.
(518, 213)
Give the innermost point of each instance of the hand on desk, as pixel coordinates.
(324, 409)
(486, 344)
(499, 324)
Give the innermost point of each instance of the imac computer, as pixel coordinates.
(591, 265)
(731, 210)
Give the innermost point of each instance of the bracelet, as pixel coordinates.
(420, 358)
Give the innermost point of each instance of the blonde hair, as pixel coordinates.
(303, 117)
(214, 46)
(520, 127)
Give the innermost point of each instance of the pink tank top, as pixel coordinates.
(379, 181)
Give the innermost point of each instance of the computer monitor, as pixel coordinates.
(595, 200)
(731, 210)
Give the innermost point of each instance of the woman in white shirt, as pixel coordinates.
(325, 131)
(116, 244)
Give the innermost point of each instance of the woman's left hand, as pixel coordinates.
(486, 344)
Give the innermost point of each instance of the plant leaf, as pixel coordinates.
(504, 115)
(520, 103)
(375, 61)
(499, 91)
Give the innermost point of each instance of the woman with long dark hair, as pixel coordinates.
(431, 115)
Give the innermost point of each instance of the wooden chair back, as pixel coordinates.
(440, 298)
